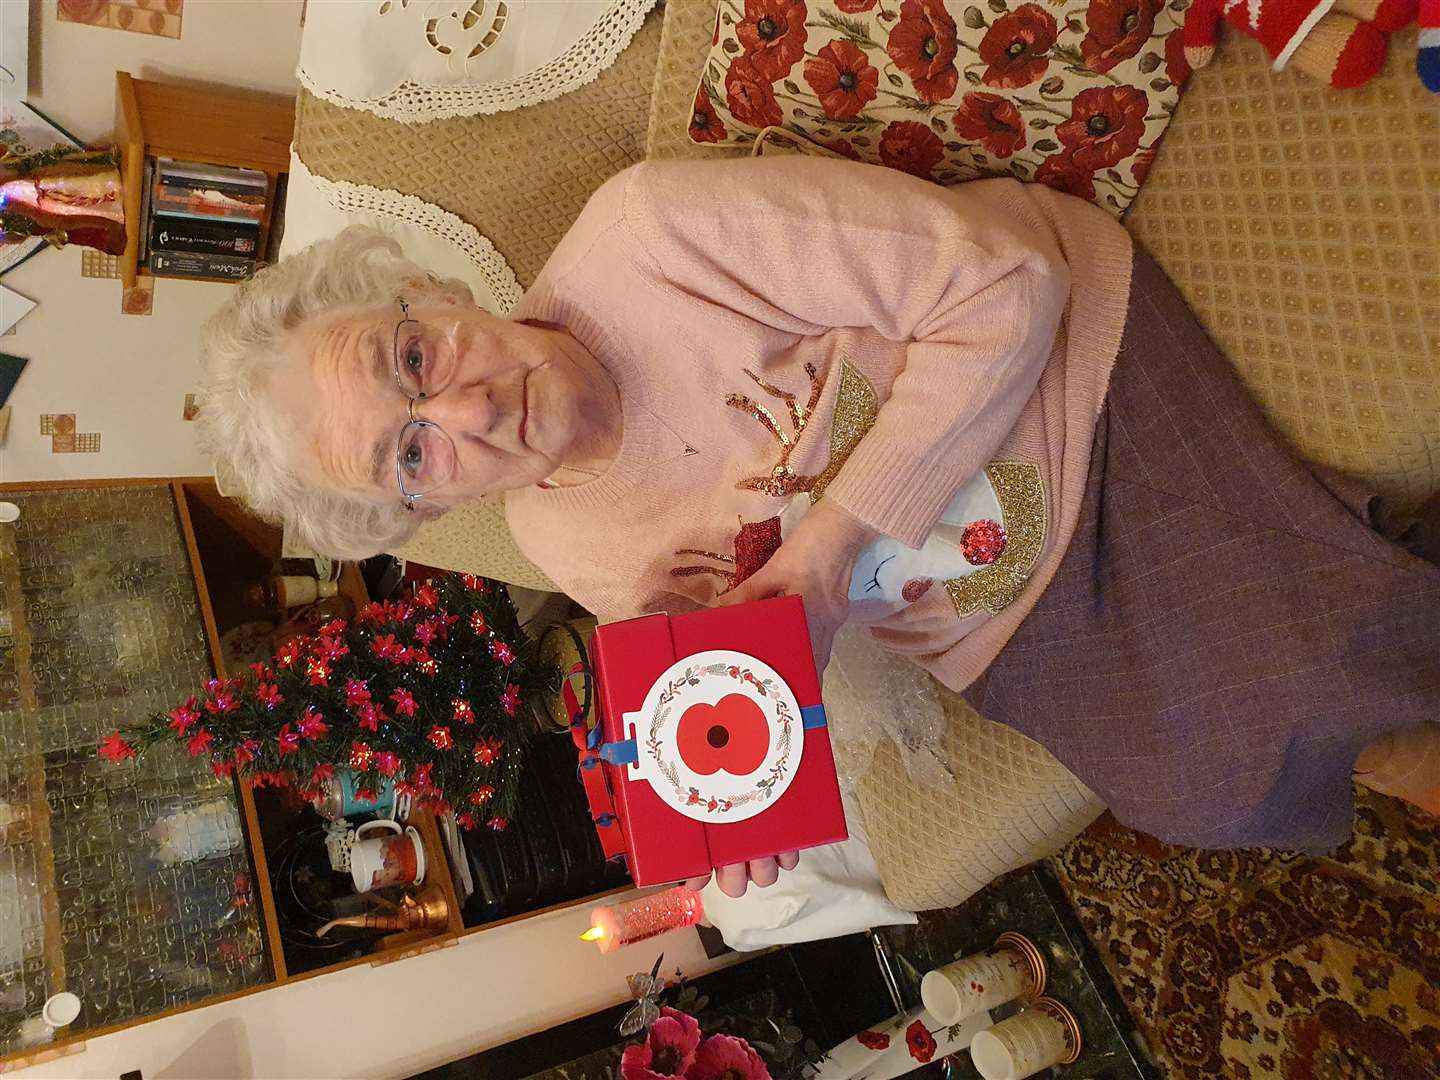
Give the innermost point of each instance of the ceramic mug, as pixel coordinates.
(339, 798)
(382, 861)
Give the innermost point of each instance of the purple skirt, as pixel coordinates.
(1226, 630)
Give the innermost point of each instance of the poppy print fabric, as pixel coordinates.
(1073, 94)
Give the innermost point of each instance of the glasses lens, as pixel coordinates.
(411, 360)
(426, 458)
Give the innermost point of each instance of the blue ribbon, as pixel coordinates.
(620, 753)
(812, 716)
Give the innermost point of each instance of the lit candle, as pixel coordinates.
(647, 917)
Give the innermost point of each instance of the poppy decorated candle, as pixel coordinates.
(1013, 968)
(636, 920)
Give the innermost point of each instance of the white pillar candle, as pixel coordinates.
(1043, 1035)
(1013, 969)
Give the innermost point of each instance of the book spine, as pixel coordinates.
(200, 265)
(211, 173)
(146, 185)
(217, 238)
(206, 211)
(183, 185)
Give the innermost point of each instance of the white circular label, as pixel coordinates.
(719, 737)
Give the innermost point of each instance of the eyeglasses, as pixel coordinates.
(425, 457)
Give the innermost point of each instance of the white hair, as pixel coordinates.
(247, 347)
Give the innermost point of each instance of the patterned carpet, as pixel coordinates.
(1265, 964)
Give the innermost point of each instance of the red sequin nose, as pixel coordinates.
(982, 542)
(732, 735)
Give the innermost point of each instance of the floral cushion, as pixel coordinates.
(1072, 95)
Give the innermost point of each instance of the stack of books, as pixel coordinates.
(203, 220)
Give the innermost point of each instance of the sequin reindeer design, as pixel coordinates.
(756, 541)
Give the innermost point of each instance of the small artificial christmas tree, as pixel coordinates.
(426, 692)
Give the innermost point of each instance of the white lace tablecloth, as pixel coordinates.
(419, 60)
(317, 208)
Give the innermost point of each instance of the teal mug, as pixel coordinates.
(339, 798)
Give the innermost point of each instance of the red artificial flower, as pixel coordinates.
(288, 741)
(330, 649)
(213, 685)
(357, 692)
(371, 613)
(992, 121)
(399, 610)
(318, 671)
(773, 33)
(361, 756)
(333, 628)
(911, 147)
(466, 820)
(420, 778)
(750, 96)
(475, 583)
(440, 738)
(668, 1050)
(724, 1057)
(276, 778)
(873, 1040)
(843, 79)
(462, 712)
(920, 1041)
(323, 771)
(855, 7)
(404, 702)
(923, 45)
(499, 824)
(488, 751)
(1017, 47)
(1117, 30)
(481, 795)
(311, 724)
(384, 646)
(1105, 127)
(261, 672)
(502, 652)
(426, 633)
(705, 123)
(115, 749)
(221, 703)
(268, 694)
(424, 662)
(844, 149)
(477, 622)
(426, 597)
(387, 763)
(1060, 172)
(222, 769)
(182, 717)
(200, 742)
(510, 699)
(289, 654)
(370, 716)
(1177, 68)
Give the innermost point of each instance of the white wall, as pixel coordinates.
(125, 376)
(390, 1021)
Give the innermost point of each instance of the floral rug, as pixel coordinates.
(1258, 964)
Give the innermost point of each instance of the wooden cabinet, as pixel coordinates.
(210, 126)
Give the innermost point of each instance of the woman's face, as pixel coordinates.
(505, 398)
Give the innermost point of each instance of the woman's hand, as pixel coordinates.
(734, 879)
(814, 563)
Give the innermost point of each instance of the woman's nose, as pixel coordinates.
(461, 409)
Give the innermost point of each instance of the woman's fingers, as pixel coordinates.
(732, 879)
(789, 860)
(695, 884)
(764, 872)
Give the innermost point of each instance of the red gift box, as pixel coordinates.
(715, 747)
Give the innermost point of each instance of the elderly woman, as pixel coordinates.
(980, 421)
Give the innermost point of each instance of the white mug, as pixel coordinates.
(395, 859)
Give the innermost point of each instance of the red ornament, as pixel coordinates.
(361, 756)
(288, 741)
(477, 623)
(463, 712)
(311, 724)
(982, 542)
(115, 749)
(440, 738)
(510, 699)
(268, 694)
(488, 751)
(200, 742)
(481, 795)
(387, 763)
(404, 703)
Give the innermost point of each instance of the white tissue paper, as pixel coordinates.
(834, 891)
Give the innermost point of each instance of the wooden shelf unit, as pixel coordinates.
(206, 125)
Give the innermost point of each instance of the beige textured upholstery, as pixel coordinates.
(475, 539)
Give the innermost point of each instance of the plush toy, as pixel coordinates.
(1340, 42)
(1427, 62)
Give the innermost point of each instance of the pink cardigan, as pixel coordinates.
(791, 328)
